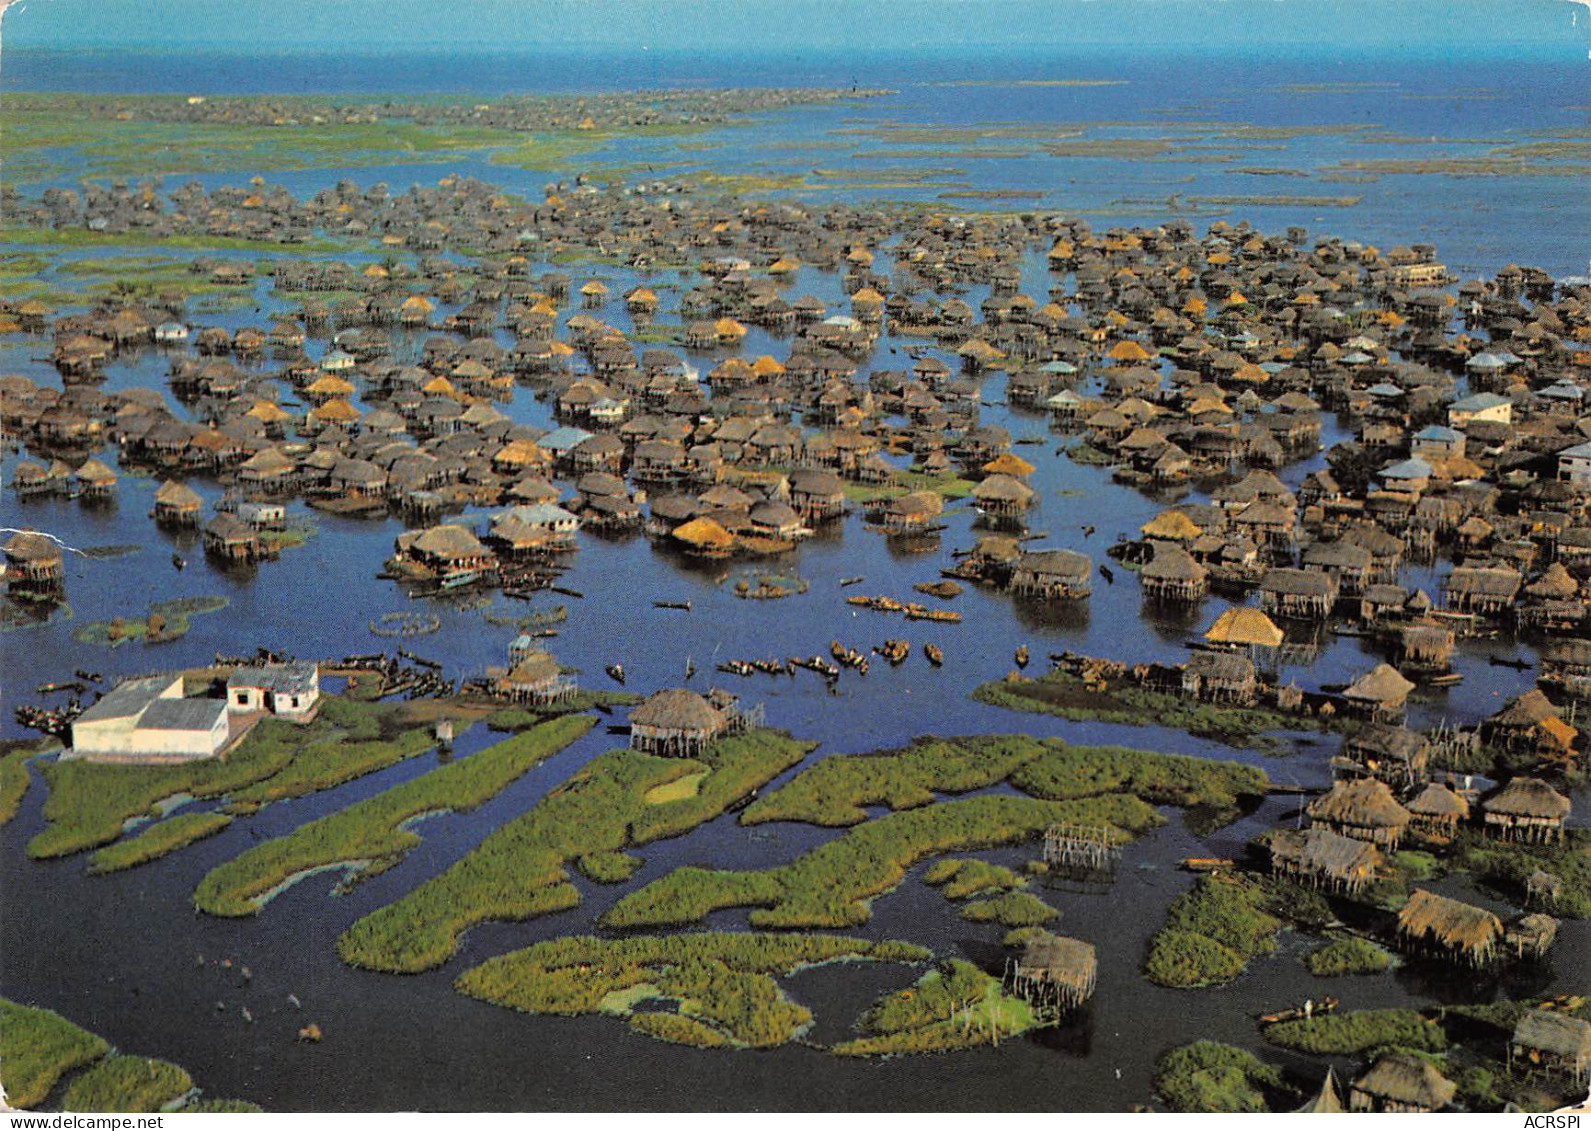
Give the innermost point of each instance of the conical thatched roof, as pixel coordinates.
(1244, 626)
(93, 471)
(1365, 803)
(1408, 1080)
(704, 533)
(1003, 488)
(1326, 1101)
(1171, 526)
(1553, 585)
(1007, 464)
(1449, 923)
(677, 708)
(1172, 563)
(1436, 800)
(1527, 710)
(1383, 684)
(1528, 797)
(174, 494)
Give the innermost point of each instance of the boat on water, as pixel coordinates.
(616, 672)
(935, 656)
(460, 579)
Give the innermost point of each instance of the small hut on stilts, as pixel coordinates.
(1054, 975)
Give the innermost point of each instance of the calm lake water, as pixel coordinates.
(118, 954)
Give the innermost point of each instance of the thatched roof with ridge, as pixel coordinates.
(1365, 803)
(679, 709)
(1528, 797)
(1554, 1033)
(1408, 1080)
(1449, 923)
(1244, 625)
(1437, 800)
(1382, 684)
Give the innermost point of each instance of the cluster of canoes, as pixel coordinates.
(913, 610)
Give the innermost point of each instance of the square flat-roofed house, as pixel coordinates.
(290, 691)
(148, 720)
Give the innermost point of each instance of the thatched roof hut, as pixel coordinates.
(1531, 936)
(706, 538)
(675, 722)
(1481, 589)
(1552, 1042)
(177, 504)
(1173, 575)
(1327, 1101)
(1051, 575)
(1395, 754)
(1526, 809)
(1425, 647)
(1529, 723)
(1055, 973)
(1003, 496)
(1364, 809)
(1219, 677)
(1322, 857)
(1303, 594)
(1434, 924)
(1438, 809)
(1379, 693)
(1401, 1082)
(1244, 627)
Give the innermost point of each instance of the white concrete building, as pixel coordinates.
(290, 691)
(148, 720)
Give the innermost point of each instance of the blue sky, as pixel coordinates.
(1422, 26)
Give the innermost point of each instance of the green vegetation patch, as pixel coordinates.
(831, 885)
(947, 483)
(961, 879)
(327, 764)
(370, 835)
(38, 1047)
(1216, 926)
(953, 1007)
(14, 777)
(85, 237)
(1361, 1031)
(519, 718)
(1347, 955)
(90, 803)
(127, 1084)
(1014, 909)
(834, 791)
(1505, 866)
(608, 867)
(1207, 1076)
(1065, 695)
(165, 621)
(518, 872)
(221, 1107)
(157, 840)
(720, 984)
